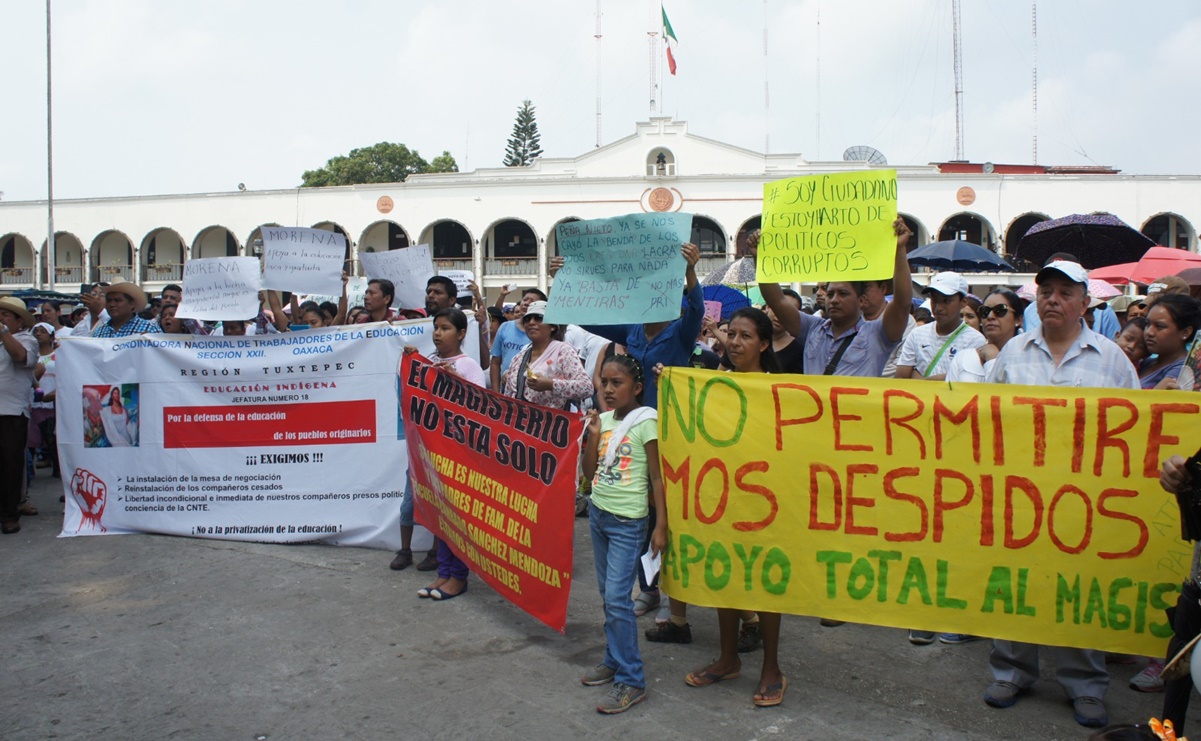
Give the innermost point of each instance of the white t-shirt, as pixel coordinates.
(924, 342)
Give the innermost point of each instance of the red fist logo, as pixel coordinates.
(91, 494)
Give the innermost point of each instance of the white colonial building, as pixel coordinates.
(500, 223)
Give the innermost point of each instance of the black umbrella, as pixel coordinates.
(1097, 240)
(960, 256)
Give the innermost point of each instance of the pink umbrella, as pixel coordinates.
(1118, 275)
(1161, 261)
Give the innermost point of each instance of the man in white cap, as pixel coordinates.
(17, 360)
(123, 301)
(1062, 351)
(929, 349)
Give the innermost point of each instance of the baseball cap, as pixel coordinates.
(1073, 271)
(948, 284)
(1168, 284)
(536, 308)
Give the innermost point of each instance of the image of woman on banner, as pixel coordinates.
(548, 371)
(120, 416)
(450, 327)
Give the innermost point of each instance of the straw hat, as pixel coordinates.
(137, 295)
(17, 306)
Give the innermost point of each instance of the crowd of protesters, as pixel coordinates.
(1060, 336)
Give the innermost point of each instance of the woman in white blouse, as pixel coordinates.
(1000, 321)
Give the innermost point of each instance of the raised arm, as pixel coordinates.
(786, 312)
(343, 303)
(694, 311)
(277, 311)
(896, 314)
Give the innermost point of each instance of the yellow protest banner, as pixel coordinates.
(829, 227)
(1025, 513)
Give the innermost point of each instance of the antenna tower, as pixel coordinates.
(957, 45)
(1034, 95)
(598, 72)
(766, 95)
(818, 108)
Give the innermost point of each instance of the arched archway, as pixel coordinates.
(510, 248)
(510, 239)
(748, 226)
(16, 260)
(112, 257)
(552, 237)
(1170, 230)
(660, 162)
(1013, 236)
(382, 236)
(215, 241)
(709, 236)
(969, 227)
(162, 254)
(452, 244)
(68, 260)
(921, 235)
(254, 243)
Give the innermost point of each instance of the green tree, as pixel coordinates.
(444, 162)
(386, 162)
(525, 144)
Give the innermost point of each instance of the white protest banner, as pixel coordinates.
(462, 279)
(409, 269)
(290, 437)
(303, 260)
(219, 288)
(623, 270)
(355, 288)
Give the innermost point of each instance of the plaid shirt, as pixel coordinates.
(136, 325)
(1092, 361)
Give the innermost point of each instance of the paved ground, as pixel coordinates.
(149, 637)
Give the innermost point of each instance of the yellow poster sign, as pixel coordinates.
(1025, 513)
(829, 227)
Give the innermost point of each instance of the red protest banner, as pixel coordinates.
(495, 478)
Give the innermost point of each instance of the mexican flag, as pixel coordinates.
(669, 33)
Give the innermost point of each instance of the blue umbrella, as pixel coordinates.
(960, 256)
(731, 299)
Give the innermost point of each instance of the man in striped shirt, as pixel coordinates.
(1062, 351)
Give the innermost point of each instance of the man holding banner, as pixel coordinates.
(1063, 351)
(844, 343)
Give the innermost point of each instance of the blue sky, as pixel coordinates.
(167, 97)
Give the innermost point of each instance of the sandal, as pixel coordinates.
(749, 637)
(645, 602)
(767, 697)
(704, 677)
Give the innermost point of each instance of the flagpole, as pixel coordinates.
(49, 256)
(662, 86)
